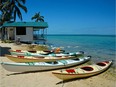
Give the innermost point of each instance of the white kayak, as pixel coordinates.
(38, 66)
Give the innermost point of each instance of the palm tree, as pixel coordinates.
(38, 17)
(11, 8)
(4, 15)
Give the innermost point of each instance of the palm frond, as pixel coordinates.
(42, 20)
(23, 1)
(5, 5)
(34, 17)
(18, 13)
(22, 7)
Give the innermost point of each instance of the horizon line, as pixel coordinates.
(85, 34)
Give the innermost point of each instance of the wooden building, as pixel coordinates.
(24, 31)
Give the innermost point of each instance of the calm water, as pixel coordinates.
(100, 47)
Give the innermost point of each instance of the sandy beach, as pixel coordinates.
(47, 79)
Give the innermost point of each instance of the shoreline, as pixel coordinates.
(47, 79)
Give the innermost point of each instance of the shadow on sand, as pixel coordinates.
(23, 73)
(4, 50)
(71, 80)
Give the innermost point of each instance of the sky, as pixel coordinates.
(74, 16)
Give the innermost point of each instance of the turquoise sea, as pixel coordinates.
(100, 47)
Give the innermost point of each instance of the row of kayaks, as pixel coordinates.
(41, 56)
(26, 61)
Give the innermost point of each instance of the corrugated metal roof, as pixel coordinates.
(26, 24)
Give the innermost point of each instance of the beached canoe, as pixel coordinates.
(26, 52)
(83, 71)
(44, 53)
(17, 58)
(39, 66)
(32, 52)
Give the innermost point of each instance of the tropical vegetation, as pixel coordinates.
(38, 17)
(10, 9)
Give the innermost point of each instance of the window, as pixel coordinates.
(20, 30)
